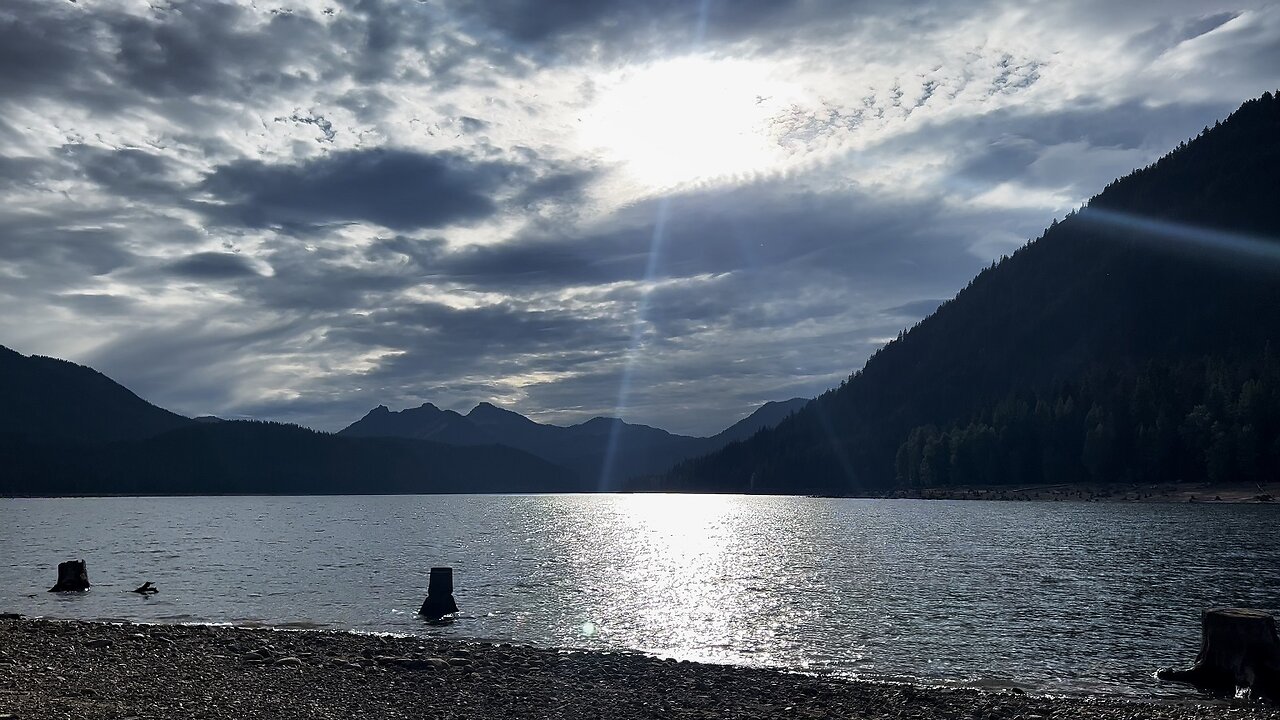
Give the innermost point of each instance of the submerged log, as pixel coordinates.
(1239, 654)
(73, 576)
(439, 600)
(146, 588)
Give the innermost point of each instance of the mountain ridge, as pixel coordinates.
(67, 429)
(608, 450)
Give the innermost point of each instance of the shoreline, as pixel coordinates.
(1263, 494)
(72, 668)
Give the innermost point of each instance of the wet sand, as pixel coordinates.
(71, 669)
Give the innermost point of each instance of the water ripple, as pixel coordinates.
(1055, 597)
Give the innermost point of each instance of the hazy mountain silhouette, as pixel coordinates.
(426, 422)
(67, 429)
(244, 457)
(603, 451)
(766, 416)
(48, 399)
(1129, 342)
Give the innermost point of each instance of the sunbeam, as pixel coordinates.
(1187, 236)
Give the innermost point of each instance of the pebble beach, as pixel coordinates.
(85, 670)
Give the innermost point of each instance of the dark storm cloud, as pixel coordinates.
(40, 46)
(98, 56)
(213, 48)
(397, 189)
(211, 266)
(44, 247)
(109, 58)
(768, 226)
(570, 28)
(328, 279)
(126, 171)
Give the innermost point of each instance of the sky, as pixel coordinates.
(670, 211)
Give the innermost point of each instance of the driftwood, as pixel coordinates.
(1239, 655)
(73, 576)
(439, 600)
(146, 588)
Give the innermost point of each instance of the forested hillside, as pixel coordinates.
(1131, 341)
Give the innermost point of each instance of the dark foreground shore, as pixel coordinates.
(64, 669)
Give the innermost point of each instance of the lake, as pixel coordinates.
(1051, 597)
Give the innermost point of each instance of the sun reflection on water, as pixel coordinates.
(685, 592)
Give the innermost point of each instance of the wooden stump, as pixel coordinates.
(439, 600)
(73, 576)
(1239, 654)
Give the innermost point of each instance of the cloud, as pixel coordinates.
(301, 211)
(211, 266)
(396, 189)
(393, 188)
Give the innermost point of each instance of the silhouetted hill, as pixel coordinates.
(234, 457)
(46, 399)
(602, 451)
(67, 429)
(1129, 342)
(766, 416)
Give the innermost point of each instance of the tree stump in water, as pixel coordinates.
(72, 576)
(1239, 652)
(439, 600)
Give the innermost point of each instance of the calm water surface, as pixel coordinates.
(1056, 597)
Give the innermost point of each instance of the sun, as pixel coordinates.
(688, 119)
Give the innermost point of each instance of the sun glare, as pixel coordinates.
(688, 120)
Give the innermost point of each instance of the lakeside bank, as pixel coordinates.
(75, 669)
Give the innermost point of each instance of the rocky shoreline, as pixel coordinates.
(73, 669)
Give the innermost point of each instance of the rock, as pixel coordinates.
(98, 643)
(288, 661)
(10, 616)
(73, 576)
(459, 661)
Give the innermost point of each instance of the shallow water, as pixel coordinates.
(1052, 597)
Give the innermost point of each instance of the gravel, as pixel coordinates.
(71, 669)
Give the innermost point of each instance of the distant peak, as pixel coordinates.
(487, 411)
(380, 410)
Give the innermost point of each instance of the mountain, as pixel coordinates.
(49, 399)
(604, 452)
(426, 422)
(66, 429)
(1130, 342)
(765, 416)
